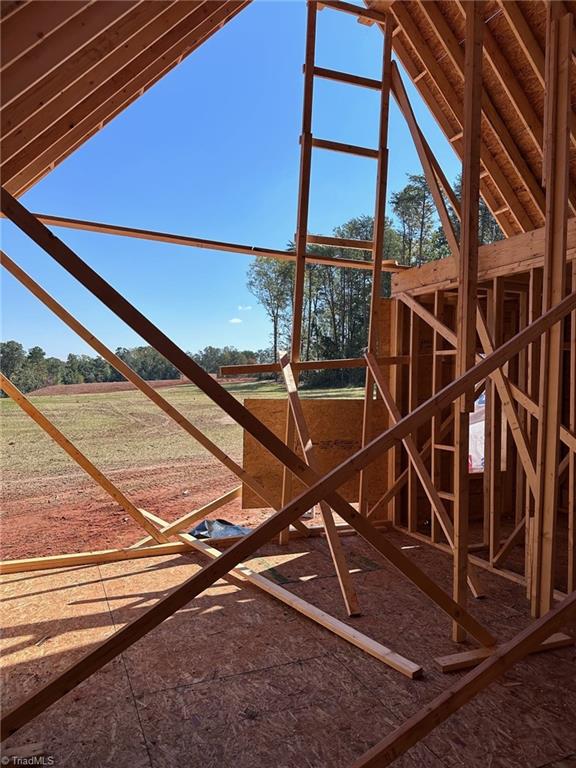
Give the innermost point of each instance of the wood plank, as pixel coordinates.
(308, 449)
(504, 257)
(141, 80)
(192, 517)
(375, 309)
(27, 565)
(131, 76)
(559, 31)
(347, 149)
(54, 99)
(457, 661)
(306, 143)
(195, 242)
(467, 295)
(37, 21)
(439, 709)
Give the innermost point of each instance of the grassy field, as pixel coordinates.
(118, 430)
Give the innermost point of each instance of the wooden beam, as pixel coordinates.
(354, 637)
(467, 294)
(195, 242)
(306, 143)
(186, 520)
(52, 431)
(360, 12)
(90, 558)
(456, 662)
(559, 30)
(439, 709)
(520, 253)
(334, 544)
(379, 226)
(312, 365)
(347, 149)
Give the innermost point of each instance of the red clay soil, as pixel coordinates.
(101, 387)
(71, 514)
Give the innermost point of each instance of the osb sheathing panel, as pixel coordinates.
(336, 431)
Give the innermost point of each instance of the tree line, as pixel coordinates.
(337, 300)
(31, 369)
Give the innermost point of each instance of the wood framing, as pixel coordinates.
(557, 111)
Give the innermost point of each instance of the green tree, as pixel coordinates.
(270, 281)
(12, 356)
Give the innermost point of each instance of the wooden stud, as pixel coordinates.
(558, 55)
(334, 544)
(377, 247)
(467, 290)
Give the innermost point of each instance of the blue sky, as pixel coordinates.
(212, 151)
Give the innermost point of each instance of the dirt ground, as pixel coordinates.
(50, 506)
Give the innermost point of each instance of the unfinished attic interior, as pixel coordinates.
(389, 601)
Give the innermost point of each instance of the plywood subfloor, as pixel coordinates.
(237, 680)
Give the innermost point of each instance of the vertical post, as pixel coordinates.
(377, 244)
(533, 351)
(571, 585)
(495, 325)
(413, 392)
(301, 232)
(556, 163)
(467, 290)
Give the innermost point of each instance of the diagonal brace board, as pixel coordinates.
(338, 557)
